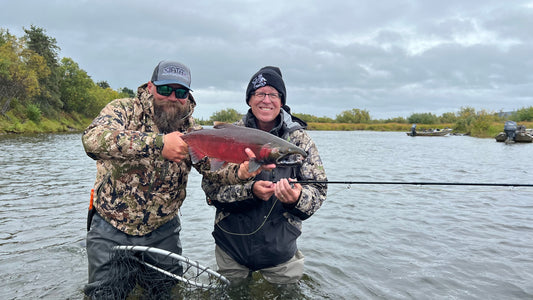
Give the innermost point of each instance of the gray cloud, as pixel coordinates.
(392, 58)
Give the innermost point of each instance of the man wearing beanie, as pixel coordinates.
(142, 169)
(258, 222)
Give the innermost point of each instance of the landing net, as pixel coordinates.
(140, 272)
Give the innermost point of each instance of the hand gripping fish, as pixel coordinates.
(226, 143)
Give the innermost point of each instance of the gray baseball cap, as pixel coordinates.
(172, 72)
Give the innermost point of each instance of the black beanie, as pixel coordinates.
(267, 76)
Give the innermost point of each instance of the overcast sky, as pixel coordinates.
(392, 58)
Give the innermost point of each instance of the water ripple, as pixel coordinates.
(366, 242)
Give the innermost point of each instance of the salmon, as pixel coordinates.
(225, 143)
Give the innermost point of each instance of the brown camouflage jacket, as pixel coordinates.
(136, 189)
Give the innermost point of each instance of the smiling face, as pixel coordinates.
(267, 109)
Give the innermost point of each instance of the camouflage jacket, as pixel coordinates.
(257, 233)
(312, 169)
(136, 189)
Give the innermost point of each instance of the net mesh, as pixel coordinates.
(149, 273)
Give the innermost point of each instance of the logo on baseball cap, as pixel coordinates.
(171, 72)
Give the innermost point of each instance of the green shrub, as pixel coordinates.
(33, 113)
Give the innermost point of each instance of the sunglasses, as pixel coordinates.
(166, 90)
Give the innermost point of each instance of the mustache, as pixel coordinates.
(170, 116)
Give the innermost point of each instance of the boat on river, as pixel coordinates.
(513, 133)
(430, 132)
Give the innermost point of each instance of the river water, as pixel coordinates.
(366, 242)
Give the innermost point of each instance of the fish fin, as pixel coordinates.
(216, 163)
(253, 165)
(194, 128)
(196, 156)
(220, 125)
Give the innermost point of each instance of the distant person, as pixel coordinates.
(413, 130)
(258, 222)
(142, 169)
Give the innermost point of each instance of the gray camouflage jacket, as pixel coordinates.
(259, 233)
(136, 189)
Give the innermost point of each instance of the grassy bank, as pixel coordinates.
(63, 123)
(372, 127)
(488, 131)
(75, 123)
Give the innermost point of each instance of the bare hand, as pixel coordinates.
(286, 192)
(263, 189)
(174, 148)
(244, 173)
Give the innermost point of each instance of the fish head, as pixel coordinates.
(282, 155)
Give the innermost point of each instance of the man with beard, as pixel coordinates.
(142, 170)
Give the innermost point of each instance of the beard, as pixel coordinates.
(170, 116)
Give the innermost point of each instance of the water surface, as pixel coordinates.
(366, 242)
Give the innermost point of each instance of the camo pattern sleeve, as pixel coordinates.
(229, 198)
(313, 195)
(136, 189)
(224, 176)
(217, 191)
(109, 136)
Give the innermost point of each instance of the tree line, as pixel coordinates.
(467, 120)
(35, 83)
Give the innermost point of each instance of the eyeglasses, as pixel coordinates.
(272, 96)
(166, 90)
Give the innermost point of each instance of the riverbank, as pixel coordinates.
(489, 131)
(76, 123)
(63, 123)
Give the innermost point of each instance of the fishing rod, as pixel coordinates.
(414, 183)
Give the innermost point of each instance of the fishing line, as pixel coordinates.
(339, 191)
(257, 229)
(414, 183)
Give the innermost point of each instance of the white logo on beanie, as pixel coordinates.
(259, 81)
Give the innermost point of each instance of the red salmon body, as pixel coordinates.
(226, 143)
